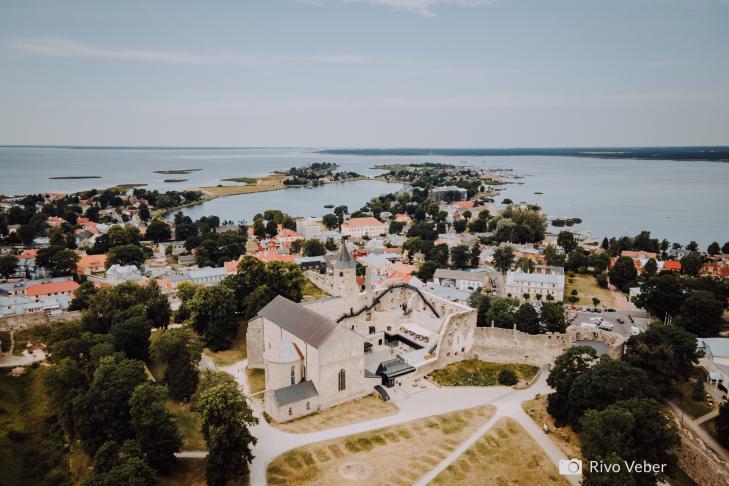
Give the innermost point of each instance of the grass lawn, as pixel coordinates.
(566, 439)
(362, 410)
(473, 372)
(236, 352)
(686, 403)
(35, 334)
(256, 380)
(504, 455)
(31, 444)
(189, 425)
(311, 292)
(587, 288)
(396, 455)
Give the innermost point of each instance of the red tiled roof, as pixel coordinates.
(672, 265)
(51, 288)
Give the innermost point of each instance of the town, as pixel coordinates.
(395, 343)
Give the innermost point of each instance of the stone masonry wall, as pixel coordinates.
(254, 343)
(25, 321)
(699, 462)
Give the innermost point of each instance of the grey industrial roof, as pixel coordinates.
(303, 323)
(295, 393)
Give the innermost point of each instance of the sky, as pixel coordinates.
(365, 73)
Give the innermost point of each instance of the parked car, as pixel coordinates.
(634, 330)
(606, 326)
(621, 321)
(588, 326)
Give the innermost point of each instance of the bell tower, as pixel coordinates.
(345, 272)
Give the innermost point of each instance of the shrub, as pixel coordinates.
(507, 377)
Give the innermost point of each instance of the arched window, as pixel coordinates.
(308, 406)
(290, 411)
(293, 375)
(372, 329)
(342, 380)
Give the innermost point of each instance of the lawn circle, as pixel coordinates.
(355, 470)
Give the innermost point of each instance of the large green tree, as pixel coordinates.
(179, 351)
(8, 265)
(623, 273)
(503, 258)
(527, 319)
(213, 315)
(567, 367)
(226, 419)
(155, 431)
(552, 317)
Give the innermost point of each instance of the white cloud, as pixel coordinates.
(54, 47)
(424, 7)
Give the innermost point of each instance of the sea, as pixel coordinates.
(677, 200)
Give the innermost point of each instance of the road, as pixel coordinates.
(426, 402)
(497, 280)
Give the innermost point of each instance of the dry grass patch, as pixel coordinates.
(392, 455)
(474, 372)
(506, 455)
(237, 351)
(256, 380)
(368, 408)
(311, 292)
(185, 472)
(189, 425)
(587, 288)
(566, 439)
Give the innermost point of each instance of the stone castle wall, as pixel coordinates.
(25, 321)
(699, 462)
(254, 343)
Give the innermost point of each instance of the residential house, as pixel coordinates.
(460, 279)
(363, 227)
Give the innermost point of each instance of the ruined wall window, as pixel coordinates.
(291, 412)
(308, 406)
(293, 375)
(342, 380)
(372, 329)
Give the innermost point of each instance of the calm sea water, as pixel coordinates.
(679, 201)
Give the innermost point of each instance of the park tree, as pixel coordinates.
(701, 314)
(330, 221)
(58, 260)
(525, 264)
(666, 353)
(154, 429)
(623, 273)
(156, 305)
(650, 268)
(567, 367)
(481, 302)
(661, 295)
(179, 351)
(527, 319)
(131, 336)
(114, 465)
(722, 424)
(144, 213)
(713, 249)
(286, 279)
(551, 316)
(313, 248)
(271, 228)
(212, 315)
(158, 230)
(122, 235)
(251, 274)
(552, 257)
(64, 382)
(8, 265)
(692, 246)
(606, 382)
(125, 255)
(460, 256)
(330, 245)
(426, 271)
(691, 263)
(475, 256)
(503, 258)
(725, 248)
(637, 430)
(226, 419)
(113, 304)
(566, 241)
(502, 312)
(185, 293)
(83, 296)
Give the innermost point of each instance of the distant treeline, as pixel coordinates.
(718, 153)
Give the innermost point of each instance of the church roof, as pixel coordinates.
(344, 258)
(295, 393)
(303, 323)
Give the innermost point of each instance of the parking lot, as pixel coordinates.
(637, 319)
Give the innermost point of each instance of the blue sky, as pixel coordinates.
(369, 73)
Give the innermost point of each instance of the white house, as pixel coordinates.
(461, 280)
(361, 227)
(520, 283)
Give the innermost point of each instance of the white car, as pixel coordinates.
(606, 326)
(588, 326)
(634, 330)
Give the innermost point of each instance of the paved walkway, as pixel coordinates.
(427, 402)
(708, 416)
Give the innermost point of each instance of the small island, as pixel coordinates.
(74, 177)
(177, 171)
(175, 180)
(244, 180)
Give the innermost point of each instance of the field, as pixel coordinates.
(396, 455)
(565, 438)
(237, 351)
(31, 443)
(362, 410)
(472, 372)
(504, 455)
(268, 183)
(587, 288)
